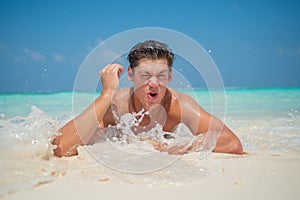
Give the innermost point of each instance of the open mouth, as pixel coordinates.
(153, 95)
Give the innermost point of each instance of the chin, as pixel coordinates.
(148, 103)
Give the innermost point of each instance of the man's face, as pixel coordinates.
(150, 80)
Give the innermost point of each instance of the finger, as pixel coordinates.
(117, 69)
(155, 144)
(177, 150)
(162, 146)
(121, 70)
(102, 71)
(143, 138)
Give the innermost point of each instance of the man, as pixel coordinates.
(150, 71)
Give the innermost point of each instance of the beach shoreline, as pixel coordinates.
(267, 122)
(250, 176)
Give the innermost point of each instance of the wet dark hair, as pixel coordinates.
(152, 50)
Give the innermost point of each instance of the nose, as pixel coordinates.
(153, 82)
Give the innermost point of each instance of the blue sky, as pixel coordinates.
(253, 43)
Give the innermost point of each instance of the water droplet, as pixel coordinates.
(2, 115)
(34, 141)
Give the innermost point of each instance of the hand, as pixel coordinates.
(173, 150)
(110, 77)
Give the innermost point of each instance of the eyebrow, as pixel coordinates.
(147, 72)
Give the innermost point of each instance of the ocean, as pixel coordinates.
(267, 121)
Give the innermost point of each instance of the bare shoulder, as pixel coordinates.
(182, 98)
(121, 100)
(180, 103)
(185, 102)
(121, 94)
(118, 105)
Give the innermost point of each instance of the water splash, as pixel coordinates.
(178, 142)
(147, 151)
(27, 159)
(27, 136)
(25, 150)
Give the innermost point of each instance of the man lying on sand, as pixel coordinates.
(150, 71)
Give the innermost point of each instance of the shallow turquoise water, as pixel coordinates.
(275, 110)
(242, 102)
(266, 120)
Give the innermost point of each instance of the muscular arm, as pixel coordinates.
(79, 130)
(227, 142)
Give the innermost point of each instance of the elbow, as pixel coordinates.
(236, 148)
(61, 149)
(58, 151)
(232, 147)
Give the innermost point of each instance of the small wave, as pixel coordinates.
(274, 134)
(25, 148)
(27, 157)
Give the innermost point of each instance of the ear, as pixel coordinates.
(170, 76)
(130, 74)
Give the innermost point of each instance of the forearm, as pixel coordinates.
(228, 142)
(79, 130)
(87, 122)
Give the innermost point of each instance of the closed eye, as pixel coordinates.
(162, 76)
(146, 76)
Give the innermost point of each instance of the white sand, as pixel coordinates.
(229, 177)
